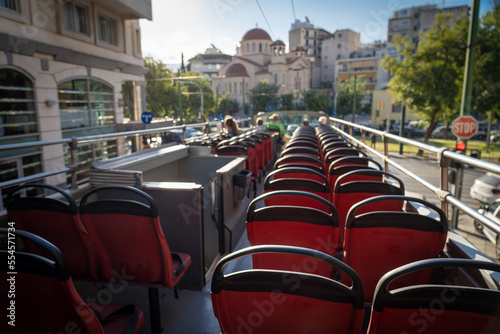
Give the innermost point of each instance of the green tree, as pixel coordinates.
(429, 80)
(160, 93)
(313, 100)
(228, 106)
(263, 93)
(345, 95)
(487, 70)
(193, 103)
(286, 102)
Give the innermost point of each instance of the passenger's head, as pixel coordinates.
(305, 121)
(230, 123)
(322, 120)
(260, 121)
(276, 118)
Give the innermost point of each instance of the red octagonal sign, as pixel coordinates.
(464, 127)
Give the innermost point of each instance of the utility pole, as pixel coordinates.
(181, 113)
(402, 126)
(465, 103)
(354, 99)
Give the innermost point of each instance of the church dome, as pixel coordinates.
(236, 70)
(256, 34)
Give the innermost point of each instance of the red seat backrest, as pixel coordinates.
(437, 308)
(381, 240)
(58, 222)
(46, 300)
(124, 223)
(321, 189)
(292, 225)
(271, 303)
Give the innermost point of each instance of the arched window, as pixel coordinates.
(85, 103)
(253, 47)
(248, 47)
(260, 47)
(18, 122)
(17, 104)
(265, 48)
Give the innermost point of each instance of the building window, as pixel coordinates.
(17, 120)
(266, 49)
(85, 103)
(275, 79)
(339, 45)
(76, 18)
(339, 35)
(405, 25)
(253, 47)
(9, 4)
(248, 48)
(107, 30)
(17, 105)
(307, 33)
(395, 26)
(260, 47)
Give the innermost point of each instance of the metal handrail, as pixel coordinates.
(78, 141)
(443, 155)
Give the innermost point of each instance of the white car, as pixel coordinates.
(486, 189)
(492, 212)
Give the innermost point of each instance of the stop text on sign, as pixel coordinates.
(464, 127)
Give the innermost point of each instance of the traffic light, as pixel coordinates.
(460, 147)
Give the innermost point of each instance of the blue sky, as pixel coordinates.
(190, 26)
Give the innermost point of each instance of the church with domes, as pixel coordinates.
(259, 58)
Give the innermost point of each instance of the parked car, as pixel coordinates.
(492, 212)
(176, 135)
(482, 132)
(486, 189)
(495, 138)
(440, 133)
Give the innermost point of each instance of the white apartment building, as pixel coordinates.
(63, 69)
(412, 21)
(209, 63)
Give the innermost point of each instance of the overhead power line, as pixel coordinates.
(293, 9)
(269, 26)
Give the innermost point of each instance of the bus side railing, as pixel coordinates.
(443, 156)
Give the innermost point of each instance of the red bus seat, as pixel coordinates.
(292, 172)
(436, 308)
(347, 194)
(58, 222)
(299, 160)
(321, 189)
(124, 223)
(347, 164)
(46, 300)
(275, 301)
(294, 226)
(302, 150)
(378, 241)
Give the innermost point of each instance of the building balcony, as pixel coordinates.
(131, 9)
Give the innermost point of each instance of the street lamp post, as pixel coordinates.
(201, 93)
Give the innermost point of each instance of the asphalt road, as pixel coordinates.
(429, 170)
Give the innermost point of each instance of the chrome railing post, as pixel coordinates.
(385, 139)
(444, 163)
(73, 168)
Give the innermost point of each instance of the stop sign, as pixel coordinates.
(464, 127)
